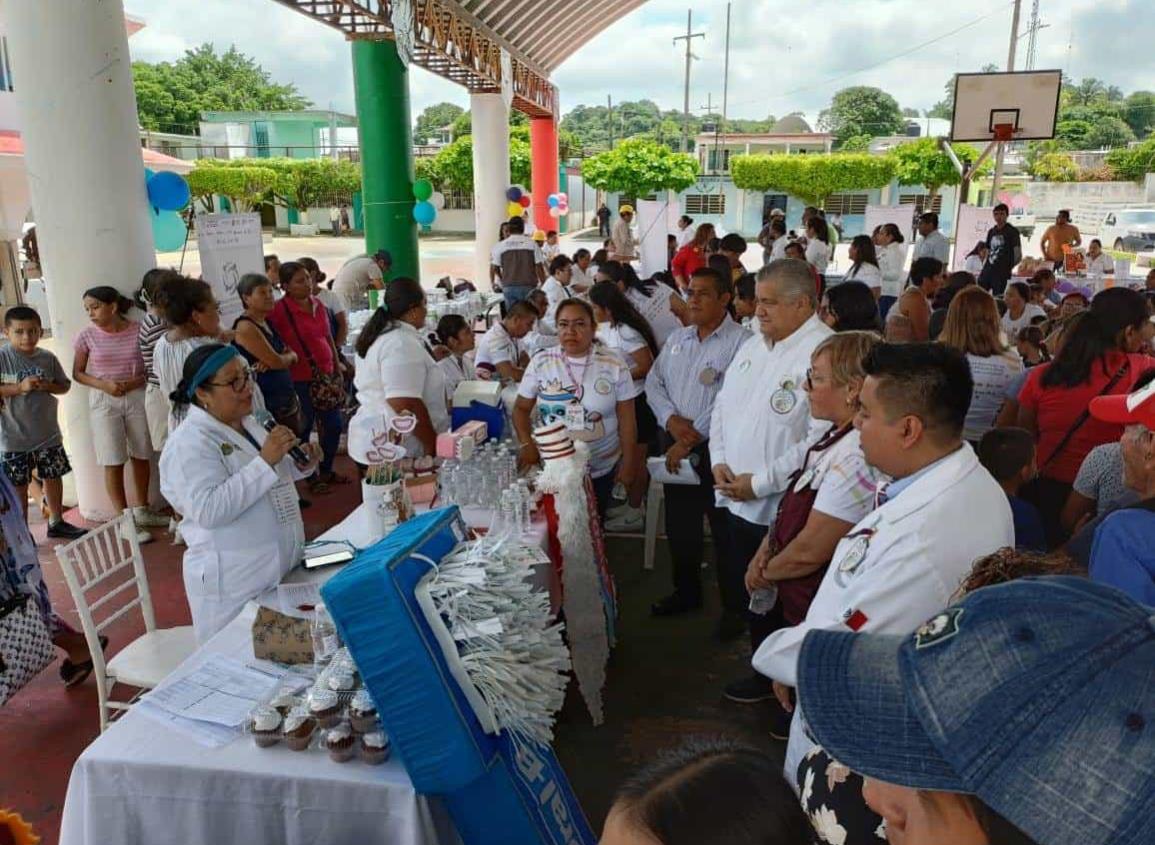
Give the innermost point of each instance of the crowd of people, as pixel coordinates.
(874, 456)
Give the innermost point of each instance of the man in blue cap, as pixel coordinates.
(1023, 714)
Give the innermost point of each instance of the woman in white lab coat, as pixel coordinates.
(891, 252)
(233, 483)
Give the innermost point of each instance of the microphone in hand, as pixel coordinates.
(268, 424)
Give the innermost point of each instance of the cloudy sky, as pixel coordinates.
(785, 56)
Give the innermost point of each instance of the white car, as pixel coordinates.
(1129, 230)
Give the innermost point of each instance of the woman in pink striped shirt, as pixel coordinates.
(108, 360)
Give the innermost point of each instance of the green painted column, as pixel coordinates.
(381, 85)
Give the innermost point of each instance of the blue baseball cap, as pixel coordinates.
(1036, 696)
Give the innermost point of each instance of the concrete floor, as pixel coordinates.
(664, 683)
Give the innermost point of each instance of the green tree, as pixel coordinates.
(247, 186)
(1139, 112)
(1108, 133)
(1133, 163)
(812, 178)
(431, 121)
(171, 96)
(861, 110)
(452, 167)
(923, 162)
(856, 144)
(1055, 167)
(637, 167)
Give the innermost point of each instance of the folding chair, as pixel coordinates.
(91, 566)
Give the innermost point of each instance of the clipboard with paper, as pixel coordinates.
(686, 473)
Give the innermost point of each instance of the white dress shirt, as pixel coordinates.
(555, 293)
(868, 274)
(818, 254)
(934, 245)
(761, 421)
(1101, 265)
(892, 263)
(685, 236)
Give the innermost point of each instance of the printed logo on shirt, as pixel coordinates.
(938, 629)
(603, 387)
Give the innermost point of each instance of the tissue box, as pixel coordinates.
(449, 444)
(421, 488)
(281, 638)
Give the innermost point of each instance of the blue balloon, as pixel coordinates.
(424, 213)
(553, 201)
(148, 174)
(513, 194)
(168, 230)
(168, 191)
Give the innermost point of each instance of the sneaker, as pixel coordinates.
(145, 518)
(618, 510)
(66, 530)
(749, 690)
(630, 521)
(142, 536)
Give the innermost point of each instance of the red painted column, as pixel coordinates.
(543, 176)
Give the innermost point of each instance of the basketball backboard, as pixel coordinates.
(1027, 101)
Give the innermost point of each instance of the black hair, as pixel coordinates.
(1021, 288)
(723, 284)
(714, 244)
(864, 249)
(600, 257)
(552, 232)
(399, 296)
(894, 232)
(1112, 311)
(521, 308)
(929, 217)
(1096, 241)
(928, 380)
(744, 287)
(978, 246)
(854, 307)
(109, 296)
(21, 313)
(288, 270)
(715, 791)
(560, 262)
(622, 312)
(580, 254)
(923, 269)
(578, 303)
(799, 246)
(540, 301)
(1033, 335)
(687, 219)
(1065, 213)
(312, 266)
(192, 365)
(517, 225)
(249, 283)
(1002, 206)
(269, 259)
(720, 263)
(449, 326)
(150, 285)
(778, 224)
(1005, 452)
(821, 231)
(733, 242)
(179, 297)
(1042, 273)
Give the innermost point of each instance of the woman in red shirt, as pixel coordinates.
(692, 256)
(303, 323)
(1100, 357)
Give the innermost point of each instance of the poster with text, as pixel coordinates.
(900, 215)
(651, 236)
(973, 224)
(230, 245)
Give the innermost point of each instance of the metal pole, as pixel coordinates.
(610, 118)
(686, 87)
(997, 181)
(725, 87)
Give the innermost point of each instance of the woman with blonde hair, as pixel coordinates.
(972, 327)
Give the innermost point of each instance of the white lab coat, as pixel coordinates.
(924, 542)
(892, 264)
(241, 519)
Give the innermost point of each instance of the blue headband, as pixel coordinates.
(210, 368)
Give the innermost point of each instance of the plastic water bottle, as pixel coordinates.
(326, 641)
(763, 599)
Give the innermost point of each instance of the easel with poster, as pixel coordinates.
(972, 226)
(230, 246)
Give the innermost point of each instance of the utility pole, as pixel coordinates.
(1033, 36)
(610, 118)
(688, 38)
(725, 88)
(997, 181)
(709, 110)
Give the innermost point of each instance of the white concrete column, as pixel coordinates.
(72, 74)
(490, 119)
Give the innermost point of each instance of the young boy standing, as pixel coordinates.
(30, 440)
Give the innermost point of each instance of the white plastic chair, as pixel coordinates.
(91, 565)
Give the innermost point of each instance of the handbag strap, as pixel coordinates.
(1084, 416)
(297, 332)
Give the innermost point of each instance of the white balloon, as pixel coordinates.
(437, 199)
(554, 211)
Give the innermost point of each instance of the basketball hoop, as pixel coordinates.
(1004, 131)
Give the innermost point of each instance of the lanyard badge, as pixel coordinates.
(856, 551)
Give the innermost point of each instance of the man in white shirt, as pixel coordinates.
(761, 426)
(901, 563)
(359, 275)
(499, 353)
(335, 221)
(931, 243)
(520, 261)
(624, 247)
(685, 232)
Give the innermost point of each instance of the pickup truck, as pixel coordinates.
(1128, 230)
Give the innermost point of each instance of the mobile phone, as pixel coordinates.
(343, 556)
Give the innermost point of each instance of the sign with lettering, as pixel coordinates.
(230, 246)
(972, 227)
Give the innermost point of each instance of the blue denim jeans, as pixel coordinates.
(515, 293)
(329, 425)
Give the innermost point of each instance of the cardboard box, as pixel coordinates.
(281, 638)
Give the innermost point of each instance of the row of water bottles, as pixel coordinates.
(514, 512)
(480, 479)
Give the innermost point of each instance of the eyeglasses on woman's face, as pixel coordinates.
(238, 384)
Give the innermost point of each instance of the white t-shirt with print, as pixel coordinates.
(1011, 326)
(625, 340)
(495, 347)
(845, 482)
(596, 383)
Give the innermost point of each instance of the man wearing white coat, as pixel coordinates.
(233, 483)
(902, 563)
(761, 426)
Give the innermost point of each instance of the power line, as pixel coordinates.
(1002, 7)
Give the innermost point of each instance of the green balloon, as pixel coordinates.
(422, 190)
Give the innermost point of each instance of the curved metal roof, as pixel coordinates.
(547, 32)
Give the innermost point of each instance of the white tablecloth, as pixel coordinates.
(141, 782)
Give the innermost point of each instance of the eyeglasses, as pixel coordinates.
(238, 384)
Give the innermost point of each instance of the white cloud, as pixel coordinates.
(784, 56)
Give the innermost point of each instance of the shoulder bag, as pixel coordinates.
(25, 645)
(326, 390)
